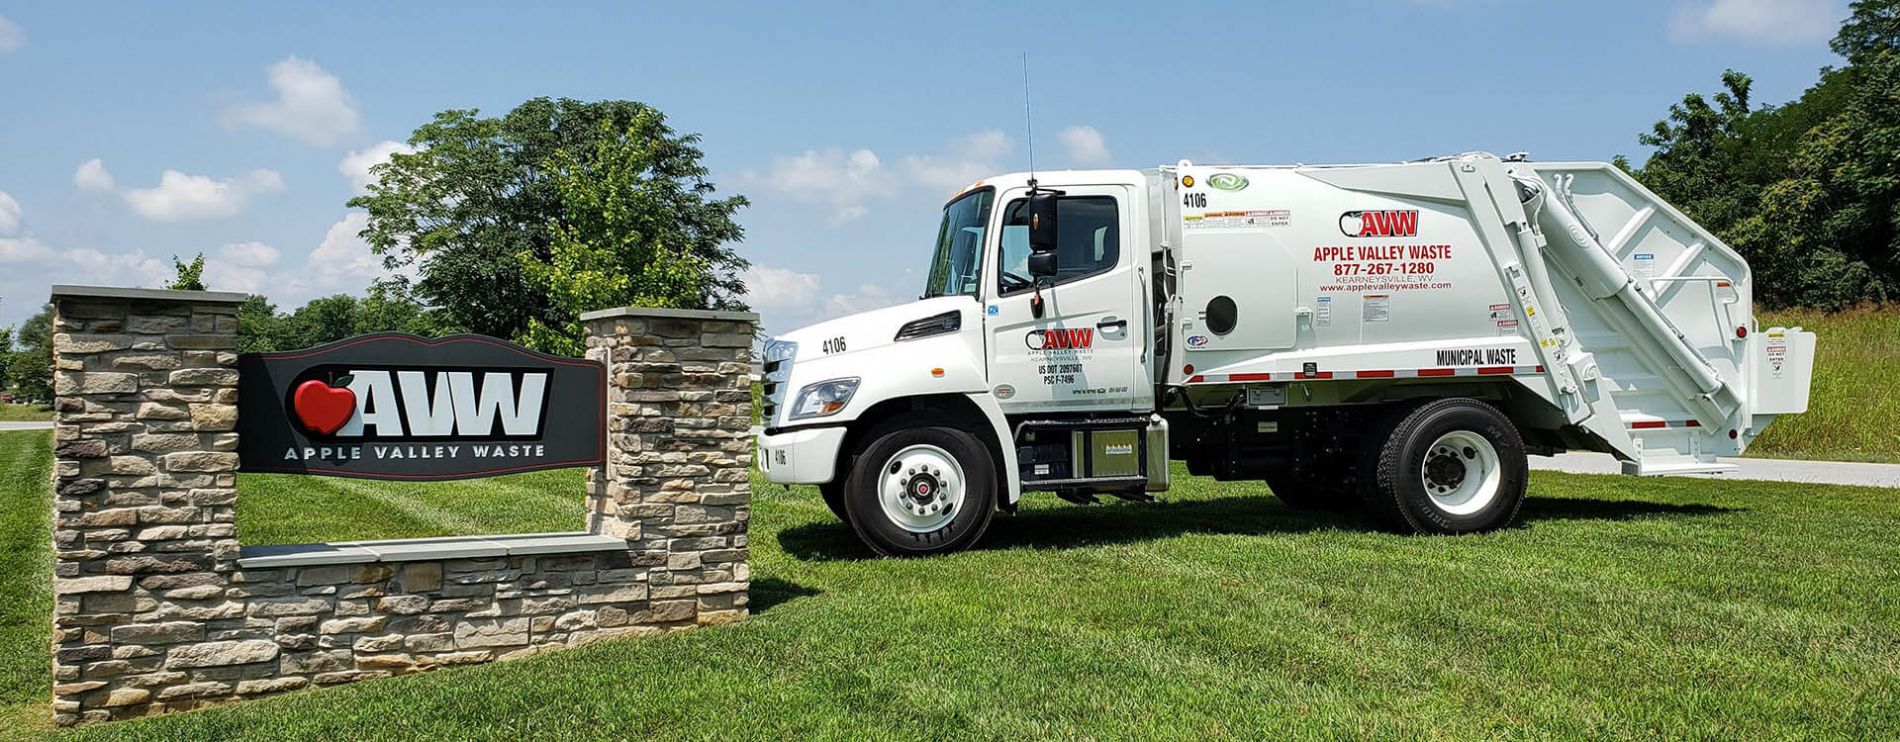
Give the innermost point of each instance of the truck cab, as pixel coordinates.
(989, 345)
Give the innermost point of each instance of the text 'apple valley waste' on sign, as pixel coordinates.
(395, 406)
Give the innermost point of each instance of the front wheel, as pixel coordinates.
(1449, 466)
(921, 491)
(833, 493)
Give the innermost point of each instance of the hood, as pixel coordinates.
(873, 329)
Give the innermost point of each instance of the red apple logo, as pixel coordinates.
(323, 408)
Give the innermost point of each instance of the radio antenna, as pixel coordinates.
(1029, 124)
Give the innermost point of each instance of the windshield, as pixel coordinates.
(954, 266)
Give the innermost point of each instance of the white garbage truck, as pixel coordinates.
(1392, 337)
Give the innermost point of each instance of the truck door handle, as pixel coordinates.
(1111, 322)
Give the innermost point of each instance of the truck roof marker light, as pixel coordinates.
(1187, 180)
(937, 372)
(1741, 332)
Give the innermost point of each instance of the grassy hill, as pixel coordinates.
(1621, 607)
(1854, 404)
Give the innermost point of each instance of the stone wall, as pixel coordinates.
(158, 608)
(679, 449)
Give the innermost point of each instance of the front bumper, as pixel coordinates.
(802, 456)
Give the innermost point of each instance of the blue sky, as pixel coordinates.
(235, 129)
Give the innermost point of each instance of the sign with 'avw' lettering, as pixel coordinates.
(394, 406)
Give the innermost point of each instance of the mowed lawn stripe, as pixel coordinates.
(281, 509)
(26, 590)
(1620, 607)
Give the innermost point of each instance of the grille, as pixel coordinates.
(773, 389)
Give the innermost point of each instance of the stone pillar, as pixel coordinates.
(679, 454)
(144, 493)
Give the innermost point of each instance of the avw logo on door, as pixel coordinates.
(1061, 338)
(388, 404)
(1389, 223)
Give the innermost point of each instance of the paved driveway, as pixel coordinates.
(1773, 470)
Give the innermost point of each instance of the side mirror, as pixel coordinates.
(1042, 264)
(1042, 233)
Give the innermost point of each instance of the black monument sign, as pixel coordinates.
(395, 406)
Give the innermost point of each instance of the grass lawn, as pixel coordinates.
(1854, 400)
(24, 412)
(1620, 607)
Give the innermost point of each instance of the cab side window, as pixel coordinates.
(1088, 241)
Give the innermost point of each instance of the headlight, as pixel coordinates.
(780, 350)
(823, 398)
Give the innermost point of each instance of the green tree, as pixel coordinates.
(1805, 191)
(1699, 148)
(258, 325)
(189, 276)
(631, 235)
(331, 318)
(1836, 217)
(1872, 28)
(6, 352)
(389, 308)
(30, 364)
(481, 191)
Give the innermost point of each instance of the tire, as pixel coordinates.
(1449, 466)
(833, 492)
(921, 491)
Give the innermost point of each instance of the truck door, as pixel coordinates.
(1084, 352)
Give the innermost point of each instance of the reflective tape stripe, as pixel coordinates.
(1366, 374)
(1653, 424)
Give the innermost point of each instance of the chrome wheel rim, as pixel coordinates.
(1461, 472)
(921, 488)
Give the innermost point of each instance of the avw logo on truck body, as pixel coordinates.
(390, 404)
(1387, 223)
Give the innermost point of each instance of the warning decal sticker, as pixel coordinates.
(1257, 219)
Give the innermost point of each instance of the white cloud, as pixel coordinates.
(9, 214)
(970, 158)
(356, 165)
(789, 299)
(92, 175)
(867, 297)
(180, 196)
(21, 251)
(833, 177)
(779, 287)
(249, 254)
(11, 35)
(1756, 21)
(343, 261)
(847, 181)
(33, 265)
(1086, 146)
(311, 106)
(243, 266)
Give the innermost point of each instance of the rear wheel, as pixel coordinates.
(921, 491)
(1449, 466)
